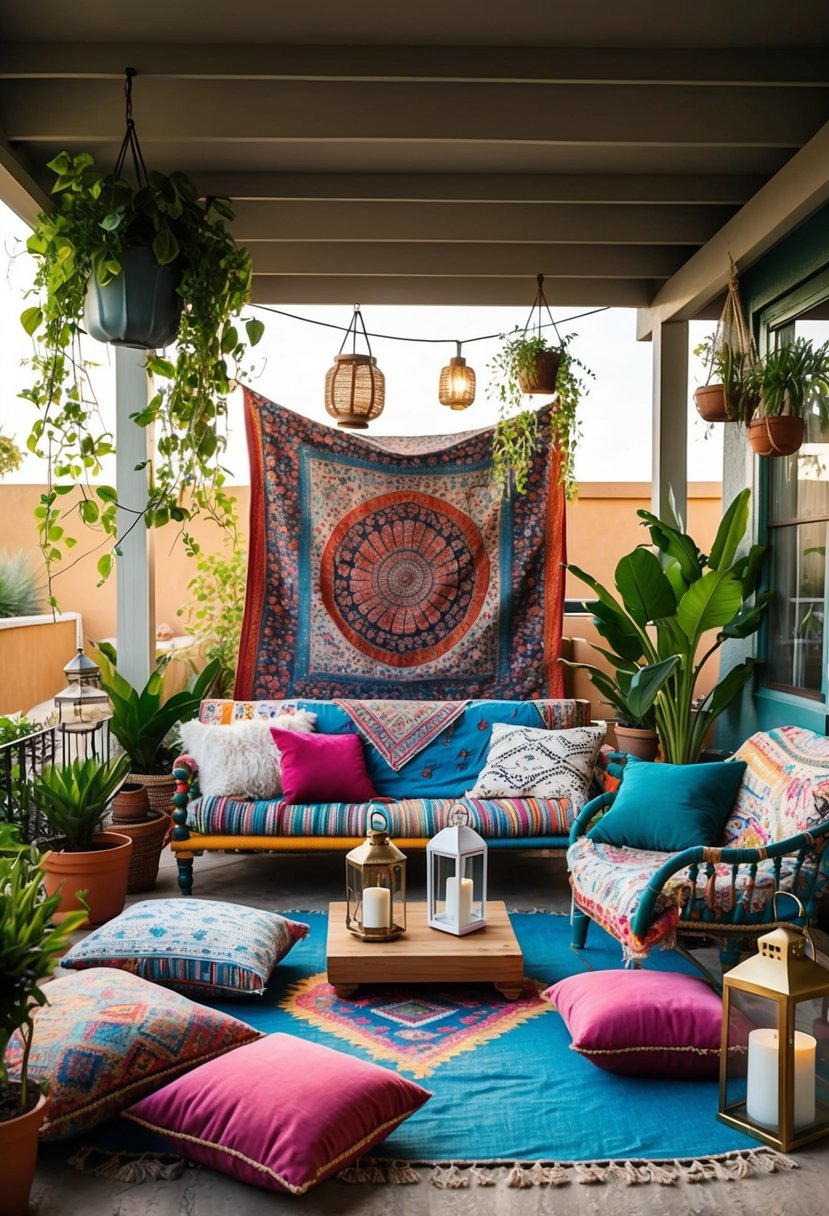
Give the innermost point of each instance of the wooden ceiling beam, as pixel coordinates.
(400, 289)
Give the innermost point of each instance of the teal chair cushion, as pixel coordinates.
(670, 807)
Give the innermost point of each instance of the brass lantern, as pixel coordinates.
(456, 877)
(774, 1061)
(375, 882)
(457, 383)
(355, 388)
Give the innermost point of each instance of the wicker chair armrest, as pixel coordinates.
(596, 806)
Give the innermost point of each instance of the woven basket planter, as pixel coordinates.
(160, 789)
(148, 839)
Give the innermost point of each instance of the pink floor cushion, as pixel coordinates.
(106, 1038)
(282, 1114)
(642, 1023)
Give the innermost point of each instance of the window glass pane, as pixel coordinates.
(800, 483)
(796, 612)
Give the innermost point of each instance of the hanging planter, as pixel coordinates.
(776, 436)
(140, 307)
(791, 383)
(528, 363)
(730, 357)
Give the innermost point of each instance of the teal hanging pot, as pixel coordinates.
(140, 307)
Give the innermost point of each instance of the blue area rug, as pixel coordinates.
(510, 1089)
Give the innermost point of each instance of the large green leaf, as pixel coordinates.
(603, 683)
(646, 593)
(709, 603)
(675, 544)
(748, 620)
(730, 533)
(749, 567)
(616, 629)
(731, 684)
(646, 684)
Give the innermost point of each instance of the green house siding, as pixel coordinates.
(789, 279)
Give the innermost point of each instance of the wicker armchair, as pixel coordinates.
(773, 843)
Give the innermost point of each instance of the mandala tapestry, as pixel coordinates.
(393, 568)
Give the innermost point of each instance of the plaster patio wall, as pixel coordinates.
(601, 526)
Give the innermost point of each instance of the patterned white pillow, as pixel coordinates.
(525, 761)
(241, 758)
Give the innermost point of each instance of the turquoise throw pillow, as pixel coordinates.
(670, 807)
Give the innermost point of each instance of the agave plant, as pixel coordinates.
(668, 601)
(20, 586)
(73, 798)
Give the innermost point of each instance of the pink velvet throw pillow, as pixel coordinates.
(322, 768)
(642, 1023)
(284, 1116)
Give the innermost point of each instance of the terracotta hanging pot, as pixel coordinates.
(101, 872)
(711, 403)
(637, 741)
(140, 307)
(541, 378)
(18, 1152)
(130, 804)
(776, 435)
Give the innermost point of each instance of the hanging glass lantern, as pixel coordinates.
(355, 388)
(456, 876)
(457, 383)
(774, 1061)
(375, 883)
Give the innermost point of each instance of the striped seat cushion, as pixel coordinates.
(412, 818)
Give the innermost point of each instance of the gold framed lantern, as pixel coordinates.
(774, 1061)
(375, 882)
(456, 877)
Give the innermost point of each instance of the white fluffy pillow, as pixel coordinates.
(527, 762)
(241, 758)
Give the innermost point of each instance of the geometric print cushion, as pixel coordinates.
(780, 795)
(105, 1039)
(197, 946)
(540, 763)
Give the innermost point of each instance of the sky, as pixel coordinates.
(290, 363)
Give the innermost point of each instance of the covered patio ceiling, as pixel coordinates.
(444, 153)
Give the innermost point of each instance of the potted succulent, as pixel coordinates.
(112, 247)
(73, 799)
(667, 601)
(142, 721)
(30, 945)
(791, 382)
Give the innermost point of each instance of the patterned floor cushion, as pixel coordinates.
(609, 882)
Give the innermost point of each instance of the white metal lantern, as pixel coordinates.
(375, 881)
(774, 1060)
(456, 876)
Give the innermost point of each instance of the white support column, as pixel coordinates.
(669, 462)
(134, 573)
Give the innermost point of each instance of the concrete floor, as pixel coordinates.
(523, 881)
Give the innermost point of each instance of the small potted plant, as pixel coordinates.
(635, 723)
(791, 382)
(727, 395)
(73, 799)
(30, 945)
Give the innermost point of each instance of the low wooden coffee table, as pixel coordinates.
(426, 956)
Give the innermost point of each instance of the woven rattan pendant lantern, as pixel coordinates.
(457, 383)
(355, 388)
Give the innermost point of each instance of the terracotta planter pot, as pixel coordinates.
(160, 789)
(102, 873)
(130, 804)
(780, 435)
(637, 741)
(18, 1152)
(148, 839)
(542, 377)
(710, 402)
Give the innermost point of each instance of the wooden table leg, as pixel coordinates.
(510, 992)
(344, 991)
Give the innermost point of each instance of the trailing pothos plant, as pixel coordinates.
(97, 218)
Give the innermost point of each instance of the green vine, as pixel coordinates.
(97, 219)
(516, 432)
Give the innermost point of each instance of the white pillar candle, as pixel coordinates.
(459, 900)
(763, 1065)
(376, 908)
